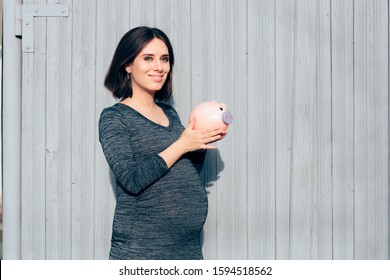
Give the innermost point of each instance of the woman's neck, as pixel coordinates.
(143, 100)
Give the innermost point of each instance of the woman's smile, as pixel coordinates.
(157, 77)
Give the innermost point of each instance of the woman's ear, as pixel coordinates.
(128, 69)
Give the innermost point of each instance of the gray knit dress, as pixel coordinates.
(160, 212)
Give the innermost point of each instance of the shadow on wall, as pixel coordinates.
(213, 166)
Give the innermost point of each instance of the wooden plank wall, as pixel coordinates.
(303, 173)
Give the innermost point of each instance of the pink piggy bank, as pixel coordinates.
(211, 115)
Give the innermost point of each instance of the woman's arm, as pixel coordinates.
(133, 176)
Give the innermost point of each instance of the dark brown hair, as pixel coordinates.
(128, 48)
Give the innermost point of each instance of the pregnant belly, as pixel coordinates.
(174, 210)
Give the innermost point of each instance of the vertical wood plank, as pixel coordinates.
(324, 130)
(204, 88)
(112, 23)
(58, 136)
(33, 185)
(342, 129)
(83, 129)
(371, 129)
(284, 92)
(231, 87)
(304, 220)
(310, 232)
(261, 130)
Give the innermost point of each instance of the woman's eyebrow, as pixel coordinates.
(150, 54)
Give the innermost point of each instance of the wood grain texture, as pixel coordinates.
(284, 84)
(84, 131)
(231, 88)
(310, 188)
(371, 94)
(58, 137)
(343, 130)
(33, 181)
(261, 130)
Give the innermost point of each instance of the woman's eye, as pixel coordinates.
(147, 58)
(165, 59)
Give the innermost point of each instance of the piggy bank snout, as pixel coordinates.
(227, 117)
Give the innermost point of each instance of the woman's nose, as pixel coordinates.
(158, 65)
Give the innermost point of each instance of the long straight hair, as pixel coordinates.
(129, 47)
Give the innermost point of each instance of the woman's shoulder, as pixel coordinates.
(114, 113)
(113, 121)
(115, 110)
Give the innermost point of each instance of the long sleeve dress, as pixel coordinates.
(159, 212)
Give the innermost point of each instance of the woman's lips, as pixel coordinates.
(156, 78)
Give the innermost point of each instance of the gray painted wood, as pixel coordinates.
(310, 135)
(33, 150)
(83, 129)
(343, 130)
(261, 130)
(231, 84)
(284, 82)
(303, 172)
(371, 92)
(58, 138)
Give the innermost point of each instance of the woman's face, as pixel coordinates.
(150, 68)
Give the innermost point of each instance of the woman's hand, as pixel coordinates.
(191, 140)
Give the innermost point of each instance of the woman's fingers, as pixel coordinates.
(214, 135)
(200, 139)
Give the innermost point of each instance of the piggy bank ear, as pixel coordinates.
(223, 106)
